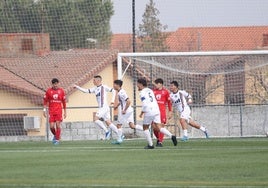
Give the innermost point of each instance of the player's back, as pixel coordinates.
(149, 103)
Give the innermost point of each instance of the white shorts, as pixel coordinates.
(104, 113)
(126, 118)
(148, 119)
(186, 114)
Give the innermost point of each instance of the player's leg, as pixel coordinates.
(148, 137)
(52, 122)
(131, 124)
(162, 129)
(156, 134)
(58, 132)
(110, 124)
(52, 130)
(161, 135)
(197, 126)
(147, 120)
(184, 120)
(120, 134)
(100, 124)
(183, 123)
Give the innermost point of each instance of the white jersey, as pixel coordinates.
(149, 102)
(123, 97)
(179, 100)
(101, 94)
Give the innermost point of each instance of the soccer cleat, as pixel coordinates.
(149, 147)
(54, 139)
(123, 137)
(57, 142)
(206, 133)
(116, 142)
(107, 135)
(184, 138)
(174, 140)
(159, 144)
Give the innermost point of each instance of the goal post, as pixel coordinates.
(228, 87)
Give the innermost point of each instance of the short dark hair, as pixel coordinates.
(142, 81)
(98, 76)
(55, 80)
(175, 83)
(159, 81)
(118, 82)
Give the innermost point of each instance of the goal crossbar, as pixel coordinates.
(199, 53)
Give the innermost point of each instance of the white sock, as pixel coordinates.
(101, 125)
(202, 128)
(120, 132)
(114, 128)
(148, 137)
(185, 133)
(139, 127)
(165, 132)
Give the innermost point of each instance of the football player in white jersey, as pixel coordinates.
(103, 113)
(125, 110)
(179, 101)
(151, 114)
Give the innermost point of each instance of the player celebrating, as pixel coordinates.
(151, 113)
(100, 91)
(125, 111)
(55, 100)
(178, 98)
(163, 100)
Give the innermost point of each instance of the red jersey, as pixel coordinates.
(56, 100)
(163, 99)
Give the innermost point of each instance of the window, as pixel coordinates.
(11, 125)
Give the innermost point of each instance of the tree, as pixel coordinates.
(151, 30)
(69, 22)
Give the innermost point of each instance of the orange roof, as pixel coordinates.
(32, 75)
(202, 39)
(122, 42)
(217, 38)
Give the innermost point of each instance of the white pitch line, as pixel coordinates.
(104, 149)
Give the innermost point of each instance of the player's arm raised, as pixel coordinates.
(82, 89)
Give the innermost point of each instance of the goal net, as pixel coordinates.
(229, 88)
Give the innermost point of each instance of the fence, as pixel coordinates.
(220, 120)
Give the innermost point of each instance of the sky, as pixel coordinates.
(192, 13)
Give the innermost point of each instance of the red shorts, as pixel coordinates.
(55, 117)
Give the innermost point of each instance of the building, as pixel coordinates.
(26, 74)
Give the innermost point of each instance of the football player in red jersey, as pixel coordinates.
(55, 101)
(163, 100)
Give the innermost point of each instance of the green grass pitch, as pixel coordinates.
(232, 162)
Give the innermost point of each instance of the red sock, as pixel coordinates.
(156, 133)
(58, 133)
(160, 137)
(53, 131)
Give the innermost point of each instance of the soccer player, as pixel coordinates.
(55, 100)
(151, 114)
(125, 110)
(103, 113)
(179, 101)
(163, 100)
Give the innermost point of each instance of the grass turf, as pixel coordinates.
(239, 162)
